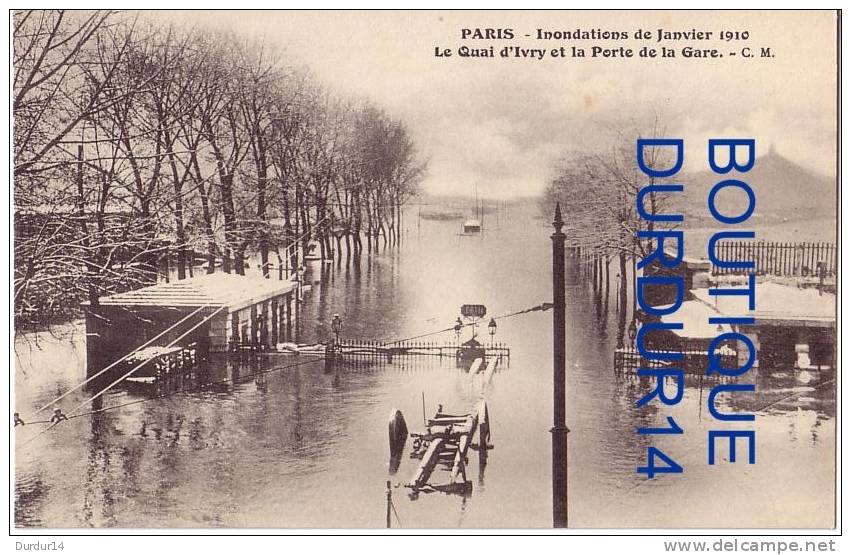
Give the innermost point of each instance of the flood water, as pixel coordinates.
(297, 446)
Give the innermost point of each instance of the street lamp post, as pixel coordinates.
(336, 327)
(332, 348)
(559, 430)
(300, 280)
(492, 329)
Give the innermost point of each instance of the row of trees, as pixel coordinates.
(132, 140)
(597, 192)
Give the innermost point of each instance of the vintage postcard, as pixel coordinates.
(424, 270)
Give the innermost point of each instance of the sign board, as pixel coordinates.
(473, 310)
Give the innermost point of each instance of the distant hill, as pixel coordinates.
(784, 192)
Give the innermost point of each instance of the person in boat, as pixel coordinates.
(57, 416)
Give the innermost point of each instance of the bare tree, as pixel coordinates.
(50, 95)
(135, 140)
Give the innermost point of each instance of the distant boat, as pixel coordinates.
(472, 226)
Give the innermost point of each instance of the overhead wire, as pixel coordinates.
(123, 358)
(141, 364)
(167, 395)
(116, 362)
(159, 335)
(536, 308)
(810, 389)
(206, 384)
(97, 395)
(74, 414)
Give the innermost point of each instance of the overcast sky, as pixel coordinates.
(504, 123)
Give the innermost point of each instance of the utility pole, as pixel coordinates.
(389, 493)
(559, 430)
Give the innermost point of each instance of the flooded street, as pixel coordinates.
(300, 447)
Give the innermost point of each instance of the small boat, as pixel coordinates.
(472, 226)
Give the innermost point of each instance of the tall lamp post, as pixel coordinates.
(300, 280)
(333, 351)
(559, 430)
(336, 327)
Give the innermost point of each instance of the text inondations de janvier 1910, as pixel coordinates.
(472, 43)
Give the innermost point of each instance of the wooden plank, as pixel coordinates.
(463, 446)
(489, 372)
(426, 466)
(484, 424)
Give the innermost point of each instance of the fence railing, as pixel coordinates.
(629, 360)
(779, 259)
(367, 349)
(360, 353)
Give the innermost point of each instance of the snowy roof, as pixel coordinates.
(694, 316)
(691, 262)
(231, 290)
(777, 304)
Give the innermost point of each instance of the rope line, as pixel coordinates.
(163, 396)
(540, 307)
(393, 506)
(219, 382)
(646, 481)
(147, 343)
(74, 414)
(123, 358)
(116, 382)
(795, 394)
(138, 366)
(159, 335)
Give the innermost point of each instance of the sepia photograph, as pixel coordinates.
(424, 270)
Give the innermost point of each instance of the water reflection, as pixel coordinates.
(267, 444)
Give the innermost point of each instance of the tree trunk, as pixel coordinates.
(348, 247)
(90, 269)
(622, 288)
(179, 230)
(204, 194)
